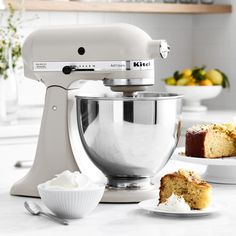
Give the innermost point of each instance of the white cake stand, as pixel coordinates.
(220, 170)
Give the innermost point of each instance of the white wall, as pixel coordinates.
(214, 45)
(177, 29)
(194, 40)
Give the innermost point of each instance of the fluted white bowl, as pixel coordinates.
(71, 204)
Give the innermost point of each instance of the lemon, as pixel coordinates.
(170, 81)
(206, 82)
(192, 82)
(215, 77)
(186, 72)
(183, 81)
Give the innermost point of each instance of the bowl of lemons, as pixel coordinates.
(197, 84)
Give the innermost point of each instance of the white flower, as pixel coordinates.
(1, 44)
(2, 65)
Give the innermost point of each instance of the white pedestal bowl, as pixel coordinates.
(193, 95)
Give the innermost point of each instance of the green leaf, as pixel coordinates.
(10, 41)
(197, 73)
(177, 75)
(225, 83)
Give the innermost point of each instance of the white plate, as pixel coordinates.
(151, 206)
(219, 170)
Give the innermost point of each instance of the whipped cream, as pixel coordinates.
(70, 180)
(174, 203)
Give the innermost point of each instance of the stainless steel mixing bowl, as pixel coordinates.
(129, 138)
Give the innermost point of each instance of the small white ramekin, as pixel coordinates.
(71, 204)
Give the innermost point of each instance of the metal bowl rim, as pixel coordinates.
(159, 96)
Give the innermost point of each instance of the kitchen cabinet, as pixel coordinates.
(139, 7)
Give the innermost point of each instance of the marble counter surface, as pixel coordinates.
(29, 117)
(108, 219)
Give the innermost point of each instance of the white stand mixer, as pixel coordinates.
(120, 55)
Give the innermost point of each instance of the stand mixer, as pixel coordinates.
(122, 56)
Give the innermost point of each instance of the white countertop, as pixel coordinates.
(108, 219)
(29, 117)
(26, 126)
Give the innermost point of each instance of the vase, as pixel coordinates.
(12, 96)
(2, 100)
(9, 97)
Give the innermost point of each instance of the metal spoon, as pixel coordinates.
(35, 209)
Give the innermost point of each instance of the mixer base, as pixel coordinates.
(129, 196)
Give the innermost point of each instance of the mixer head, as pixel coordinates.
(120, 55)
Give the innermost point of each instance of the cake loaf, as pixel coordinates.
(211, 141)
(187, 184)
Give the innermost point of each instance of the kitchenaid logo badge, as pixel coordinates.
(142, 65)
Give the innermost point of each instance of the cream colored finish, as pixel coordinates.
(60, 44)
(113, 42)
(54, 153)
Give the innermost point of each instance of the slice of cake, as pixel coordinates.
(211, 141)
(195, 191)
